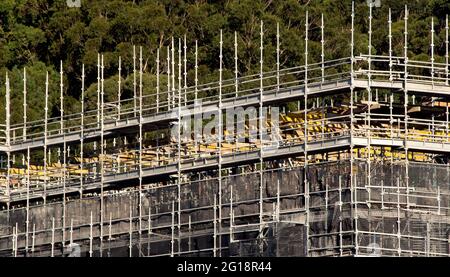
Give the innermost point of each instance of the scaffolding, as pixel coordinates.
(361, 168)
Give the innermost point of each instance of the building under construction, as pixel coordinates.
(360, 168)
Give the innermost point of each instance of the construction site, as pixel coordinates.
(360, 168)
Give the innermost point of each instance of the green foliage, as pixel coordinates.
(37, 34)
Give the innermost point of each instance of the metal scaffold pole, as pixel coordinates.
(53, 239)
(179, 149)
(405, 89)
(236, 68)
(446, 49)
(82, 132)
(130, 232)
(185, 71)
(45, 137)
(261, 141)
(61, 97)
(71, 232)
(149, 235)
(168, 78)
(278, 201)
(91, 236)
(8, 140)
(134, 81)
(278, 56)
(353, 190)
(369, 108)
(102, 153)
(190, 233)
(432, 52)
(173, 73)
(141, 138)
(64, 168)
(390, 46)
(119, 89)
(98, 89)
(219, 140)
(215, 227)
(196, 71)
(305, 153)
(196, 95)
(341, 250)
(157, 80)
(322, 42)
(231, 213)
(24, 104)
(172, 241)
(27, 222)
(33, 239)
(109, 234)
(13, 241)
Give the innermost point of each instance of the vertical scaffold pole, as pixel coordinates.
(236, 68)
(140, 139)
(64, 171)
(149, 226)
(231, 212)
(27, 222)
(45, 137)
(305, 168)
(196, 92)
(53, 238)
(185, 70)
(353, 190)
(172, 241)
(157, 80)
(447, 113)
(215, 227)
(390, 46)
(196, 71)
(278, 56)
(109, 233)
(220, 134)
(91, 238)
(71, 232)
(61, 97)
(13, 241)
(130, 232)
(134, 81)
(190, 233)
(82, 132)
(24, 104)
(399, 233)
(322, 55)
(33, 239)
(432, 51)
(8, 138)
(98, 90)
(261, 125)
(341, 251)
(168, 78)
(369, 108)
(119, 89)
(405, 88)
(179, 148)
(446, 49)
(278, 200)
(16, 249)
(173, 73)
(102, 152)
